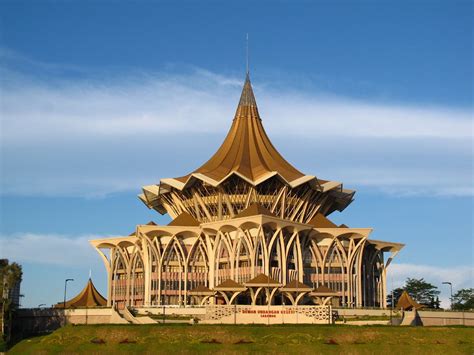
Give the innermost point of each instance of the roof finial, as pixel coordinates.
(247, 54)
(90, 273)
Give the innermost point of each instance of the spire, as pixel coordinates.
(247, 98)
(247, 56)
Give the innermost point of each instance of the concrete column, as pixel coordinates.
(284, 260)
(212, 261)
(359, 276)
(299, 258)
(146, 271)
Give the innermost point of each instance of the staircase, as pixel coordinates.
(411, 318)
(130, 318)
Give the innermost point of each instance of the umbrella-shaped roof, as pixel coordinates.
(246, 151)
(88, 297)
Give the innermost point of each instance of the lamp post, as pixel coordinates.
(65, 289)
(41, 305)
(451, 287)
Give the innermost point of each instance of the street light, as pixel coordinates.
(451, 286)
(41, 305)
(65, 288)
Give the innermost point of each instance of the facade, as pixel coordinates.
(247, 228)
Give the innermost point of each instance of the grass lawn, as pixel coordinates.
(301, 339)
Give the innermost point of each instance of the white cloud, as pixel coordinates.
(89, 137)
(460, 276)
(50, 249)
(204, 102)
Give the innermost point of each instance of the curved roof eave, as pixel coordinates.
(313, 180)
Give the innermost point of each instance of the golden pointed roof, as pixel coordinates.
(88, 297)
(246, 151)
(321, 221)
(262, 280)
(324, 291)
(184, 219)
(229, 285)
(246, 154)
(255, 209)
(296, 285)
(201, 290)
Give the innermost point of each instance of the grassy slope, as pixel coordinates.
(301, 339)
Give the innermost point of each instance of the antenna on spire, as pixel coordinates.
(90, 273)
(247, 54)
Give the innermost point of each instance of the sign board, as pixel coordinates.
(240, 314)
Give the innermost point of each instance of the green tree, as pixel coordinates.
(10, 276)
(418, 289)
(421, 291)
(434, 303)
(397, 292)
(464, 299)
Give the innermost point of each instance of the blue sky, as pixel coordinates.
(100, 98)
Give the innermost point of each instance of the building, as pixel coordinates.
(247, 228)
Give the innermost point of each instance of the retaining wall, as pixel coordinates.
(446, 318)
(198, 312)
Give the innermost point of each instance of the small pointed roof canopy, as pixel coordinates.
(184, 220)
(324, 291)
(255, 209)
(407, 303)
(262, 280)
(88, 297)
(246, 151)
(321, 221)
(296, 286)
(230, 285)
(201, 290)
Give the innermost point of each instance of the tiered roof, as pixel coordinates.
(246, 153)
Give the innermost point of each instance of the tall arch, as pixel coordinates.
(172, 273)
(224, 258)
(120, 278)
(243, 259)
(197, 267)
(137, 280)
